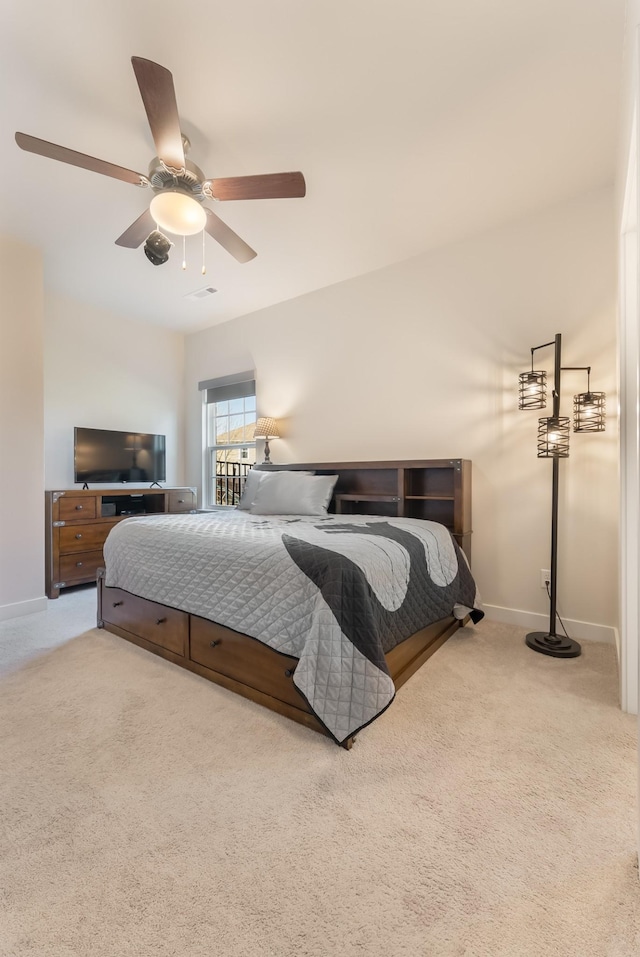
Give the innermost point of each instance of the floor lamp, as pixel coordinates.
(553, 443)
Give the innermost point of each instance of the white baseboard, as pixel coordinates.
(20, 608)
(579, 630)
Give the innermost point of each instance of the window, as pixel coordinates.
(230, 448)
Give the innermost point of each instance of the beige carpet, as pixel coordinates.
(489, 813)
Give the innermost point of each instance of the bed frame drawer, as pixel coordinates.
(245, 659)
(163, 626)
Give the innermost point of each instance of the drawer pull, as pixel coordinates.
(160, 621)
(79, 508)
(289, 672)
(79, 535)
(116, 603)
(79, 564)
(215, 642)
(180, 501)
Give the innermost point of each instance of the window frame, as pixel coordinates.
(222, 485)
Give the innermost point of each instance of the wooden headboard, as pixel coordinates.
(435, 489)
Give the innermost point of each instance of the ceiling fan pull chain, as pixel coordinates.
(204, 268)
(184, 252)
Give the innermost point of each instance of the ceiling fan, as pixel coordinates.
(180, 188)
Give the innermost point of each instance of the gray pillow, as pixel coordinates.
(293, 493)
(252, 481)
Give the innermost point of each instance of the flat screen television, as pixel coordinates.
(102, 455)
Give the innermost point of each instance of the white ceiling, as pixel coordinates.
(415, 123)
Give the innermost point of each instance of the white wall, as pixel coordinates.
(107, 372)
(21, 430)
(628, 196)
(64, 363)
(420, 360)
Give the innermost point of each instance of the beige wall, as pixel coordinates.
(21, 430)
(106, 372)
(421, 360)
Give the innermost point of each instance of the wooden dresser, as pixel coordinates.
(79, 520)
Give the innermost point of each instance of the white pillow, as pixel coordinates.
(293, 493)
(253, 479)
(251, 483)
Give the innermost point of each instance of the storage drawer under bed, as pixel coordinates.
(163, 626)
(244, 659)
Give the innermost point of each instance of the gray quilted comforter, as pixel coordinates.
(336, 593)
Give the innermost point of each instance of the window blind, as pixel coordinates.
(237, 386)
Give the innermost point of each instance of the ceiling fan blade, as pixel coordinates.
(267, 186)
(224, 235)
(44, 148)
(159, 98)
(137, 232)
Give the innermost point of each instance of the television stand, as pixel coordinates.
(79, 520)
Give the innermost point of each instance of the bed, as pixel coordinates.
(318, 616)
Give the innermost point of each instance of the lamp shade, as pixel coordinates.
(178, 213)
(589, 412)
(266, 428)
(553, 437)
(533, 390)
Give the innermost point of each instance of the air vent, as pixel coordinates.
(201, 293)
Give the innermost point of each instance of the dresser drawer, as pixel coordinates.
(181, 500)
(80, 565)
(76, 506)
(245, 659)
(84, 538)
(166, 627)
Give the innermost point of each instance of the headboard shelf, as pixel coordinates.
(438, 490)
(363, 497)
(430, 498)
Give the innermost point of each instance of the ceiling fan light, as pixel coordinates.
(178, 213)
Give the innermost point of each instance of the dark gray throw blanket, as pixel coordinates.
(335, 594)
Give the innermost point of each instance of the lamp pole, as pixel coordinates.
(549, 643)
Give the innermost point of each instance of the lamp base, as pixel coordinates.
(553, 645)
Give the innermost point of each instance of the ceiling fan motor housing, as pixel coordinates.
(190, 179)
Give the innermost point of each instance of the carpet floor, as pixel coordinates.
(490, 812)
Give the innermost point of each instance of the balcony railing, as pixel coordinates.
(230, 479)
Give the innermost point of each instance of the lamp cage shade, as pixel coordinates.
(533, 390)
(267, 428)
(589, 412)
(553, 437)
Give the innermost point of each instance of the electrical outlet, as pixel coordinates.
(545, 576)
